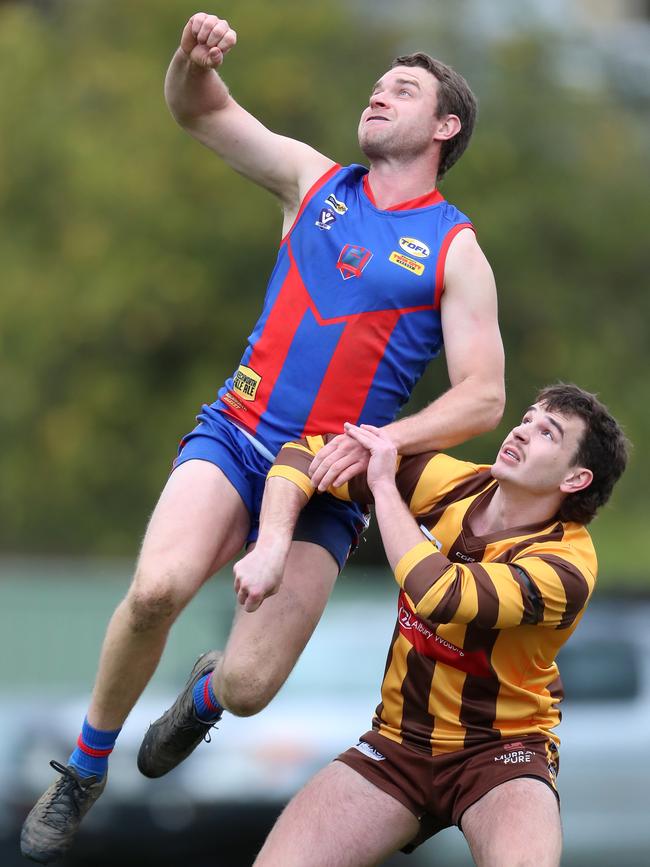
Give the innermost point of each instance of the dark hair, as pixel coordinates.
(454, 97)
(603, 449)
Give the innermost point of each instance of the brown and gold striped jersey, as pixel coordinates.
(480, 618)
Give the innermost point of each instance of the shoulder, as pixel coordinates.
(434, 476)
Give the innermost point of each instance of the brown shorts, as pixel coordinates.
(438, 789)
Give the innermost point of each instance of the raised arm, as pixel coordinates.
(475, 364)
(201, 103)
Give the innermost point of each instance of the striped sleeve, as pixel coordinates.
(549, 586)
(292, 463)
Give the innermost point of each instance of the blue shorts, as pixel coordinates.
(325, 521)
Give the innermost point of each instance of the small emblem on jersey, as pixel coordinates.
(233, 402)
(431, 537)
(369, 751)
(246, 382)
(352, 261)
(415, 247)
(465, 558)
(326, 219)
(339, 207)
(406, 262)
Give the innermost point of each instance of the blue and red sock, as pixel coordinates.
(207, 707)
(94, 746)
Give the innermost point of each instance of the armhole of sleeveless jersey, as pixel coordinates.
(442, 258)
(311, 192)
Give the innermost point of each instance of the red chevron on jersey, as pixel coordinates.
(328, 350)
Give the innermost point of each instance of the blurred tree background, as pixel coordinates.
(134, 263)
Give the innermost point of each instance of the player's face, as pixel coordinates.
(400, 119)
(538, 454)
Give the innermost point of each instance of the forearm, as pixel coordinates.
(471, 407)
(399, 530)
(281, 505)
(193, 92)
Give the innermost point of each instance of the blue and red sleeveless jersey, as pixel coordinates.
(351, 315)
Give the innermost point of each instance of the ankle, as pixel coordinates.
(206, 704)
(94, 746)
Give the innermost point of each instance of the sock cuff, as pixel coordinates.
(96, 742)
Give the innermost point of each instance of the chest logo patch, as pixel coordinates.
(415, 247)
(333, 202)
(326, 219)
(406, 262)
(246, 382)
(352, 260)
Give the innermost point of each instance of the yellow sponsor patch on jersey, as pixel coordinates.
(246, 382)
(406, 262)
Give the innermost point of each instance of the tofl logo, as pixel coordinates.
(352, 261)
(415, 247)
(246, 382)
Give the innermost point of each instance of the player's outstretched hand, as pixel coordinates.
(336, 463)
(380, 449)
(207, 39)
(257, 575)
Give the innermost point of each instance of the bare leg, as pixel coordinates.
(517, 824)
(339, 819)
(198, 525)
(264, 645)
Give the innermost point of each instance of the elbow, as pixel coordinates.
(497, 404)
(493, 402)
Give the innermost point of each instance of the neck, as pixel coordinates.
(394, 181)
(513, 507)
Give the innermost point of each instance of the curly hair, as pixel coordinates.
(454, 97)
(603, 449)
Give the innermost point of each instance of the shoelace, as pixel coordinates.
(58, 806)
(190, 726)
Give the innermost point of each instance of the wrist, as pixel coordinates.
(384, 489)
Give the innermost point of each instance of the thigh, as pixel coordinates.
(264, 645)
(338, 820)
(198, 525)
(516, 823)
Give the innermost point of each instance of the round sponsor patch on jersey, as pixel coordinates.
(414, 247)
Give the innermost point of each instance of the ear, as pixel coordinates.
(447, 128)
(578, 479)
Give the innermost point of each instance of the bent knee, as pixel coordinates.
(151, 604)
(243, 693)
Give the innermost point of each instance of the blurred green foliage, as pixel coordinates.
(134, 263)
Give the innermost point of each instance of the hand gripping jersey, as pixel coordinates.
(480, 619)
(351, 315)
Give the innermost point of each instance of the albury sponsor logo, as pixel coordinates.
(426, 641)
(246, 382)
(409, 621)
(415, 247)
(406, 262)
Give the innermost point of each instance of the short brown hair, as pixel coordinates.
(604, 448)
(454, 97)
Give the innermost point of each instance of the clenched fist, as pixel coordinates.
(207, 39)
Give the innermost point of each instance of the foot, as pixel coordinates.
(179, 731)
(50, 828)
